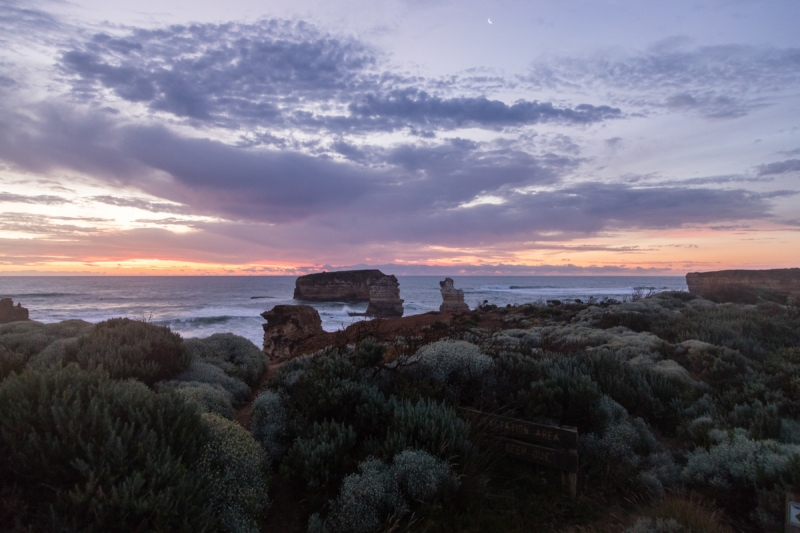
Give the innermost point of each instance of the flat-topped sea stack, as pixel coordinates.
(343, 286)
(452, 298)
(384, 298)
(10, 312)
(747, 286)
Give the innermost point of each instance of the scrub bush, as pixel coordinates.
(236, 355)
(380, 493)
(88, 453)
(130, 349)
(207, 398)
(21, 342)
(447, 361)
(321, 459)
(232, 469)
(657, 525)
(213, 375)
(268, 422)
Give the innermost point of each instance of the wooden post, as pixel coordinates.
(792, 513)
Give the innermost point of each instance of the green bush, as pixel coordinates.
(21, 342)
(208, 398)
(267, 424)
(321, 459)
(232, 470)
(200, 372)
(130, 349)
(379, 493)
(236, 355)
(88, 453)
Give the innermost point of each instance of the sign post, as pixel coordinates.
(550, 446)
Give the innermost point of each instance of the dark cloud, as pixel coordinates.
(412, 106)
(282, 74)
(26, 199)
(779, 167)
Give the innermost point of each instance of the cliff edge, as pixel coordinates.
(10, 312)
(780, 285)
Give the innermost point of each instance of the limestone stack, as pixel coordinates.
(384, 298)
(452, 298)
(11, 313)
(287, 327)
(343, 286)
(780, 285)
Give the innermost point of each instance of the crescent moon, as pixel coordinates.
(490, 21)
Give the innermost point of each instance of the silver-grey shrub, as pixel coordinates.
(232, 467)
(207, 397)
(236, 355)
(657, 525)
(448, 360)
(213, 375)
(735, 459)
(268, 422)
(379, 492)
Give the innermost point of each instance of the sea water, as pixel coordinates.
(201, 306)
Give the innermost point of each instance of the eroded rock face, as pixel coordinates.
(747, 286)
(384, 298)
(287, 327)
(452, 298)
(344, 286)
(10, 312)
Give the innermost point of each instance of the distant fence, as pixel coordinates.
(551, 446)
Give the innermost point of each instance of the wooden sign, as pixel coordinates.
(792, 513)
(550, 446)
(565, 438)
(566, 460)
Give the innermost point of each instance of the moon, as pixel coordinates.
(490, 21)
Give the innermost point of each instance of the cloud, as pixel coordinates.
(6, 197)
(412, 106)
(779, 167)
(281, 74)
(724, 81)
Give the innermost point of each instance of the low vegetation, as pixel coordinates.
(688, 414)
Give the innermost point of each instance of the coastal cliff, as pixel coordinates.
(344, 286)
(384, 298)
(747, 286)
(11, 313)
(452, 298)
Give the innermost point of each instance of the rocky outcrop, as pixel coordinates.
(344, 286)
(452, 298)
(10, 312)
(747, 286)
(287, 327)
(384, 298)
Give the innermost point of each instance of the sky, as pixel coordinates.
(509, 137)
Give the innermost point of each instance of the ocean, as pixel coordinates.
(200, 306)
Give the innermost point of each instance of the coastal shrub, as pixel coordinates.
(10, 361)
(448, 360)
(321, 459)
(21, 342)
(619, 453)
(112, 454)
(379, 493)
(232, 469)
(657, 525)
(427, 425)
(236, 355)
(268, 422)
(213, 375)
(130, 349)
(208, 398)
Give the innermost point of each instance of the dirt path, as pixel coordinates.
(245, 412)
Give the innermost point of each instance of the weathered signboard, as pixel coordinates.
(550, 446)
(792, 513)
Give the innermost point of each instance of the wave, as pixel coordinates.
(198, 320)
(45, 295)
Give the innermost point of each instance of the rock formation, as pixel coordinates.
(747, 286)
(11, 313)
(344, 286)
(287, 327)
(384, 298)
(452, 298)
